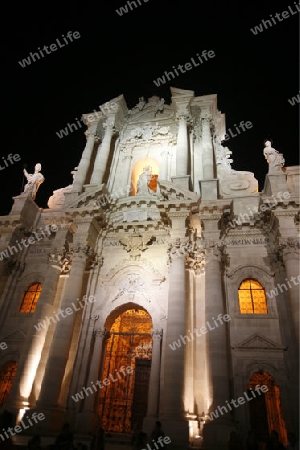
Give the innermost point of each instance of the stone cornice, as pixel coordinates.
(217, 207)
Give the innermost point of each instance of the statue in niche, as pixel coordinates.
(144, 181)
(33, 181)
(274, 158)
(160, 106)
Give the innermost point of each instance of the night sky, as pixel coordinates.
(253, 76)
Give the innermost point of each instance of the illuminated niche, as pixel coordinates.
(138, 169)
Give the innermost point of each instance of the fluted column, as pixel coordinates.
(60, 345)
(207, 150)
(163, 167)
(84, 162)
(216, 432)
(173, 417)
(182, 146)
(87, 420)
(154, 374)
(103, 153)
(290, 255)
(99, 337)
(174, 359)
(35, 341)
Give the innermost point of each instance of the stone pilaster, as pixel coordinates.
(209, 185)
(87, 421)
(85, 161)
(31, 354)
(155, 374)
(289, 247)
(48, 401)
(175, 425)
(207, 149)
(215, 433)
(103, 153)
(182, 146)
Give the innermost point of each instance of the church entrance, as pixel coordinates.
(266, 410)
(123, 403)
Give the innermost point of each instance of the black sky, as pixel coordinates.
(253, 76)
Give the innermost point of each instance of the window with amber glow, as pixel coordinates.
(7, 375)
(30, 298)
(252, 298)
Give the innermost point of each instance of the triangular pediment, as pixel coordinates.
(258, 342)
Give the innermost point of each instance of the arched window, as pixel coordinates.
(30, 298)
(252, 298)
(7, 375)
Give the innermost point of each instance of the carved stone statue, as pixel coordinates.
(33, 180)
(57, 200)
(160, 106)
(141, 103)
(274, 158)
(143, 182)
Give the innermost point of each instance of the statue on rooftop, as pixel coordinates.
(33, 181)
(274, 158)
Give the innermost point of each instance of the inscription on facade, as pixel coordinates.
(259, 241)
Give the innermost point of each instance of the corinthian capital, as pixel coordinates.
(289, 247)
(157, 334)
(101, 333)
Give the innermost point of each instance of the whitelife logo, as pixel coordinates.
(187, 66)
(241, 400)
(68, 311)
(203, 330)
(294, 100)
(10, 157)
(30, 241)
(53, 48)
(267, 23)
(89, 390)
(18, 428)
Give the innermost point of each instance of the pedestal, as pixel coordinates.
(209, 189)
(216, 434)
(275, 184)
(183, 181)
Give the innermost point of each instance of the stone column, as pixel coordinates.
(290, 255)
(182, 147)
(163, 167)
(208, 185)
(215, 433)
(33, 347)
(88, 418)
(103, 153)
(84, 162)
(155, 374)
(175, 425)
(207, 150)
(60, 345)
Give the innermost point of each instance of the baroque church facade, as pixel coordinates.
(159, 285)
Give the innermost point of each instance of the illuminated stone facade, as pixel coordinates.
(156, 275)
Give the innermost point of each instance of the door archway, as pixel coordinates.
(123, 403)
(266, 410)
